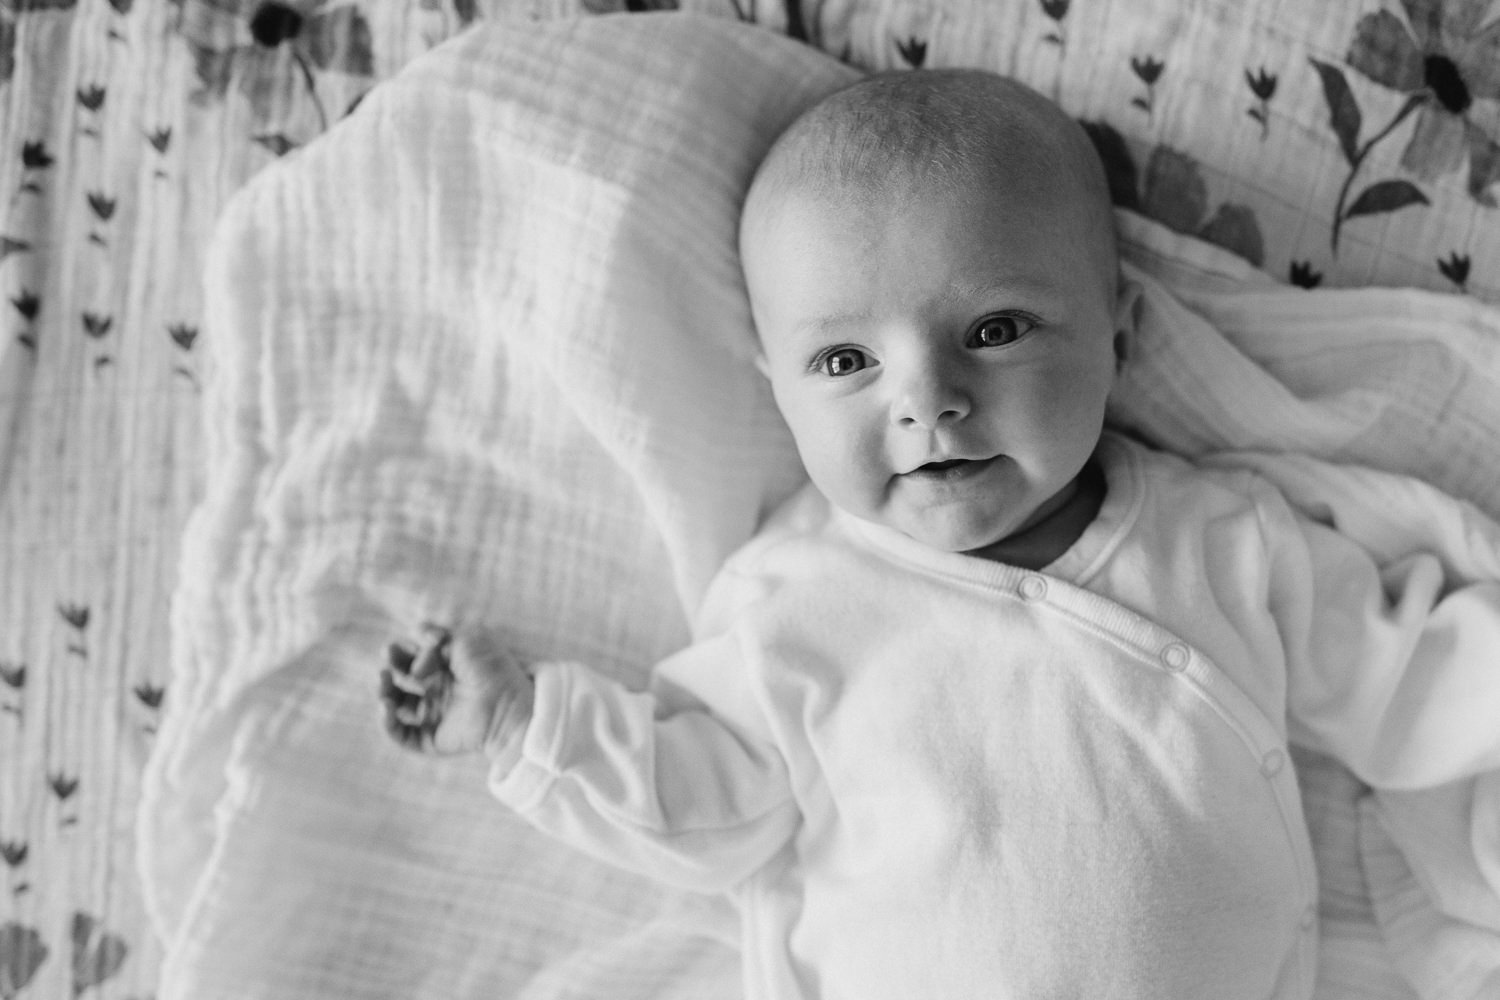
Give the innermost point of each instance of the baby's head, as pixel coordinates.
(930, 257)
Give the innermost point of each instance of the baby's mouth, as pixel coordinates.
(950, 469)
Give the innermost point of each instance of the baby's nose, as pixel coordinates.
(929, 398)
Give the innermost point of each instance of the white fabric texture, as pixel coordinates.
(481, 356)
(868, 726)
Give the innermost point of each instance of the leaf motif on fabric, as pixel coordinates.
(276, 143)
(22, 953)
(340, 41)
(1119, 165)
(9, 246)
(1235, 228)
(1175, 194)
(1343, 110)
(7, 49)
(97, 954)
(1386, 196)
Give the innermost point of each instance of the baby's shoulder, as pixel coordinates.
(1211, 490)
(793, 528)
(1215, 479)
(788, 552)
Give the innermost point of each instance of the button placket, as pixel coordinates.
(1176, 657)
(1272, 763)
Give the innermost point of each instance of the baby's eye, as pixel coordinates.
(844, 361)
(998, 331)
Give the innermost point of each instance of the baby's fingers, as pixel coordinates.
(432, 661)
(401, 656)
(408, 699)
(410, 719)
(401, 680)
(393, 692)
(408, 736)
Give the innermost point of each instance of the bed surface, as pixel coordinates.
(1329, 150)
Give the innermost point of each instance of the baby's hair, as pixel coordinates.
(938, 129)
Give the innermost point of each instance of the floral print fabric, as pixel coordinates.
(1331, 144)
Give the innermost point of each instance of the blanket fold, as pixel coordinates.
(480, 356)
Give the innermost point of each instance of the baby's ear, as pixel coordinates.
(1129, 304)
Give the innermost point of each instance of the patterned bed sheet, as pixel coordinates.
(1341, 147)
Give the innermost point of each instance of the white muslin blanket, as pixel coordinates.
(482, 356)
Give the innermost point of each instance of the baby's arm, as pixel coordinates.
(650, 782)
(453, 695)
(1391, 669)
(653, 781)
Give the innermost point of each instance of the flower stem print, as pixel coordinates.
(312, 88)
(274, 23)
(97, 327)
(1148, 70)
(150, 695)
(297, 37)
(1444, 52)
(1057, 10)
(1347, 120)
(122, 10)
(77, 615)
(103, 207)
(63, 786)
(183, 336)
(13, 685)
(91, 99)
(34, 159)
(160, 140)
(1263, 86)
(14, 853)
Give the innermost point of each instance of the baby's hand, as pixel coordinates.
(453, 694)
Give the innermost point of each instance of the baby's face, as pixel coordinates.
(943, 361)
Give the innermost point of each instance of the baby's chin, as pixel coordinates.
(949, 534)
(956, 541)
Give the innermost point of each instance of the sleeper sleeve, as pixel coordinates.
(1392, 669)
(654, 781)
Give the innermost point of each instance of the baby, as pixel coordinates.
(999, 705)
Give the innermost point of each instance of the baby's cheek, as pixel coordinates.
(837, 468)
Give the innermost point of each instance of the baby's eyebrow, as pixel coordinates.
(1000, 286)
(820, 326)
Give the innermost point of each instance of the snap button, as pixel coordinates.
(1033, 588)
(1176, 657)
(1272, 763)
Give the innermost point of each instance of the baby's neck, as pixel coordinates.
(1043, 542)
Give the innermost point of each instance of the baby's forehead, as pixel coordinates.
(933, 119)
(946, 130)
